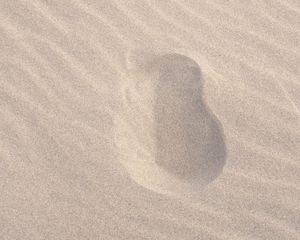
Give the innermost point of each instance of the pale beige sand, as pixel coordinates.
(149, 119)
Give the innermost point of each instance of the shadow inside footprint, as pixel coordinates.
(189, 138)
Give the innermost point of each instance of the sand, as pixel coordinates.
(149, 119)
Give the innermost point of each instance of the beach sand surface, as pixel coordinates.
(148, 119)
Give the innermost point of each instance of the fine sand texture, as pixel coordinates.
(148, 119)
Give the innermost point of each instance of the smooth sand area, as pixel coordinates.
(149, 119)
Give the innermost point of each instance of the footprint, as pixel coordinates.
(167, 138)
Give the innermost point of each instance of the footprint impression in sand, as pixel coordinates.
(168, 139)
